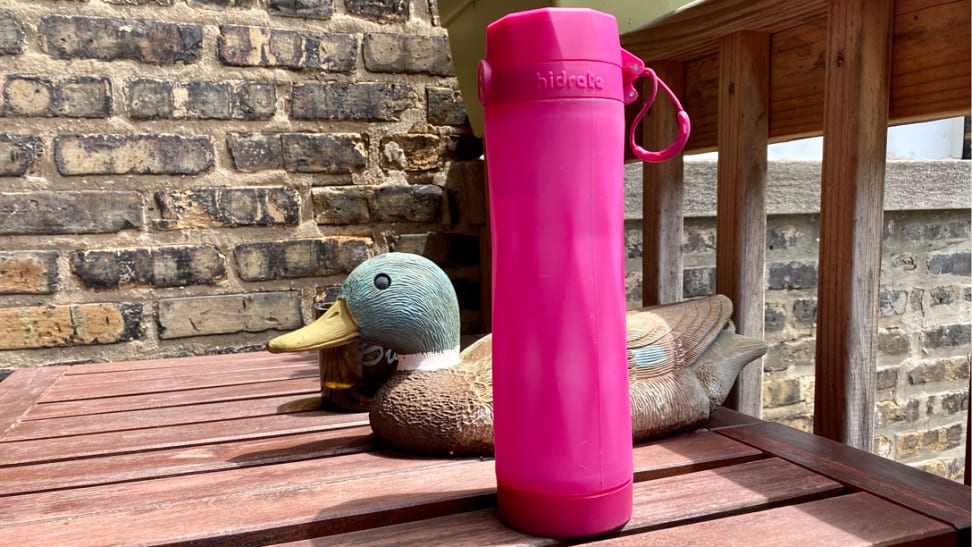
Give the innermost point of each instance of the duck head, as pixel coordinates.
(400, 301)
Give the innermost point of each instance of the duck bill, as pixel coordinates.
(337, 326)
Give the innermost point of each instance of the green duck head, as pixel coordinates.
(400, 301)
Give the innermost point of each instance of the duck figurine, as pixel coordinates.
(682, 358)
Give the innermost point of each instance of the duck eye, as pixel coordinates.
(382, 281)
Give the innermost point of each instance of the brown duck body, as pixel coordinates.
(682, 360)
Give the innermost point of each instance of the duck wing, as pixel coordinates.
(664, 339)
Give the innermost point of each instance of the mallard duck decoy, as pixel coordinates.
(682, 358)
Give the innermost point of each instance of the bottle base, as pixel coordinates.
(565, 516)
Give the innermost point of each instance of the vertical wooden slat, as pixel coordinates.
(852, 190)
(741, 209)
(662, 196)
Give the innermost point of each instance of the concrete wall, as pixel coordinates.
(925, 298)
(184, 176)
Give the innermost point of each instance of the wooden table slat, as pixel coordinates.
(240, 369)
(136, 440)
(373, 498)
(61, 393)
(854, 519)
(195, 362)
(931, 495)
(21, 390)
(107, 405)
(682, 498)
(172, 462)
(67, 426)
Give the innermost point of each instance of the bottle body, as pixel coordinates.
(562, 418)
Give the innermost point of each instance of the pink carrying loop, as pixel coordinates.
(684, 125)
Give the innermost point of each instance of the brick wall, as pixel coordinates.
(185, 176)
(925, 299)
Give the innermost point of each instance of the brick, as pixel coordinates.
(310, 9)
(946, 336)
(28, 272)
(201, 99)
(936, 231)
(72, 325)
(445, 249)
(78, 97)
(255, 151)
(411, 152)
(892, 302)
(85, 97)
(633, 242)
(887, 378)
(254, 100)
(132, 154)
(794, 274)
(893, 342)
(407, 203)
(18, 154)
(950, 263)
(207, 100)
(11, 34)
(953, 403)
(698, 282)
(332, 153)
(946, 370)
(781, 238)
(698, 239)
(633, 288)
(408, 54)
(917, 300)
(62, 212)
(265, 260)
(222, 4)
(444, 106)
(228, 314)
(781, 392)
(890, 412)
(774, 317)
(905, 262)
(792, 353)
(943, 296)
(802, 422)
(805, 310)
(908, 444)
(382, 11)
(942, 438)
(139, 2)
(367, 101)
(112, 39)
(270, 47)
(153, 267)
(342, 205)
(28, 96)
(229, 207)
(150, 98)
(883, 446)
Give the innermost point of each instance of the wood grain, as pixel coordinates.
(923, 492)
(741, 201)
(668, 502)
(68, 426)
(109, 405)
(930, 76)
(20, 390)
(170, 462)
(851, 212)
(194, 364)
(855, 519)
(662, 183)
(165, 384)
(138, 440)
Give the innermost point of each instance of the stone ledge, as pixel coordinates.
(794, 187)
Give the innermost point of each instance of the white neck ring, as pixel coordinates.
(429, 361)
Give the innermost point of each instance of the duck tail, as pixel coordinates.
(719, 365)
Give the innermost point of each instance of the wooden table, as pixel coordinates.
(229, 450)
